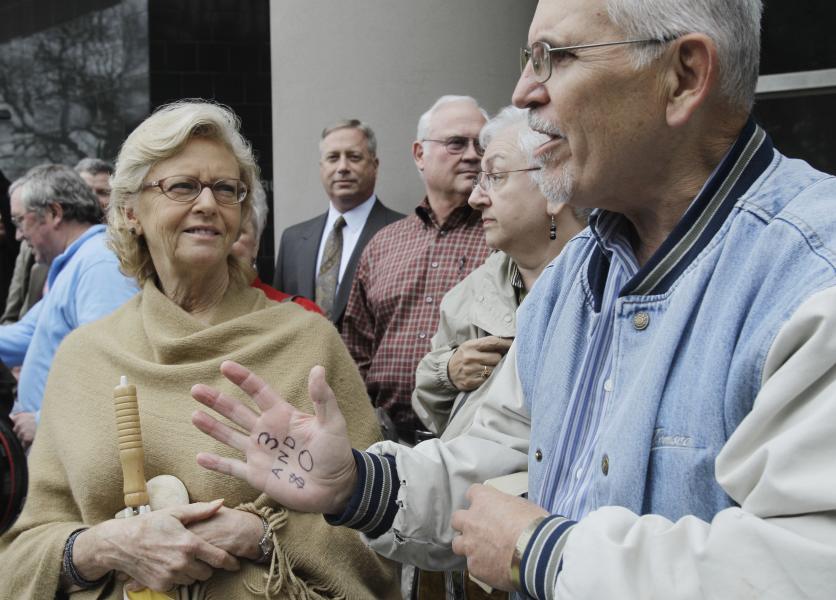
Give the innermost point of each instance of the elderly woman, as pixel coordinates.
(478, 316)
(183, 185)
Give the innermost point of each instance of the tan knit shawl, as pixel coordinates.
(76, 480)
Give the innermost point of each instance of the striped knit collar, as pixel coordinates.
(514, 275)
(745, 161)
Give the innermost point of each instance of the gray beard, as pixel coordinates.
(556, 186)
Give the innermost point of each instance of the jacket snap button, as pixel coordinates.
(605, 465)
(538, 455)
(641, 320)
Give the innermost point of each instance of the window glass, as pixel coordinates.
(798, 36)
(802, 127)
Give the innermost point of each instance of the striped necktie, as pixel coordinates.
(329, 269)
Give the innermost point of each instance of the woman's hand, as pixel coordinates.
(155, 550)
(236, 531)
(303, 461)
(473, 362)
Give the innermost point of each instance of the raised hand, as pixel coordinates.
(474, 361)
(302, 461)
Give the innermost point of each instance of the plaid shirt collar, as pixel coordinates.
(462, 215)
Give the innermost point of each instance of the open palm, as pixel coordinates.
(302, 461)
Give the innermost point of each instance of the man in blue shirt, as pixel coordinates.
(60, 217)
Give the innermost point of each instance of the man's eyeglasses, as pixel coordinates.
(487, 181)
(183, 188)
(458, 144)
(540, 55)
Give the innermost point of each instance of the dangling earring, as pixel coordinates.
(553, 230)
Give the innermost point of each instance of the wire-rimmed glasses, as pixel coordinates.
(486, 181)
(184, 188)
(458, 144)
(539, 54)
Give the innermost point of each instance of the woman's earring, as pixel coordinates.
(553, 230)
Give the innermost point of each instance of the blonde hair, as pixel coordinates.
(161, 136)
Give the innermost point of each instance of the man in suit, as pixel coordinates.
(317, 259)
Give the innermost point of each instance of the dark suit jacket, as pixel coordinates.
(296, 263)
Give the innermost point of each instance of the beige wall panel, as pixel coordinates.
(383, 61)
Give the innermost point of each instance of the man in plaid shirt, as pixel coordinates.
(408, 266)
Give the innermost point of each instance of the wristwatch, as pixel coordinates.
(265, 544)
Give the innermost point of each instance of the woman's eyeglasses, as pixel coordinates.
(183, 188)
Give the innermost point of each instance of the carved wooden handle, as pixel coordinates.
(131, 453)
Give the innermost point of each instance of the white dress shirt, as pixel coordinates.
(355, 220)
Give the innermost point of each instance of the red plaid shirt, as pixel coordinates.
(392, 311)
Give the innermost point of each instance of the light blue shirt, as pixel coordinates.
(84, 284)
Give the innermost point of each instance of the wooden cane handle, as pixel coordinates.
(131, 453)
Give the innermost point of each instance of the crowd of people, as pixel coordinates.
(598, 359)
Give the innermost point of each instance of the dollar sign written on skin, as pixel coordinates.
(294, 478)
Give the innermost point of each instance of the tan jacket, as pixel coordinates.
(482, 304)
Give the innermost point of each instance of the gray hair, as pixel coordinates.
(734, 25)
(16, 184)
(511, 116)
(426, 119)
(49, 184)
(93, 166)
(364, 128)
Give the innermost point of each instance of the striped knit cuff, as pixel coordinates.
(373, 506)
(543, 557)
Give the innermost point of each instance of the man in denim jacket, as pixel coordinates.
(675, 366)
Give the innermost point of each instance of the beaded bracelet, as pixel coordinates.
(69, 567)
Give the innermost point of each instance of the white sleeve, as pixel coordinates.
(779, 466)
(435, 475)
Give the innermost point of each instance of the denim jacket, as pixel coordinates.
(689, 355)
(691, 345)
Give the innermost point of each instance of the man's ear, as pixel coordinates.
(56, 212)
(418, 154)
(690, 77)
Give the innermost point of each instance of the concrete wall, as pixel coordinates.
(383, 61)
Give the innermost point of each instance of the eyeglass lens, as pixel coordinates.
(540, 59)
(459, 144)
(182, 188)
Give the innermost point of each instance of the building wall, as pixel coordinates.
(219, 50)
(77, 76)
(73, 79)
(384, 62)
